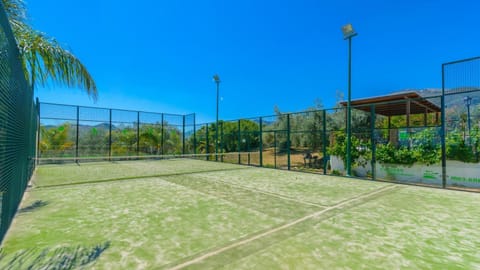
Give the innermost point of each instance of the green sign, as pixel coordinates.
(403, 135)
(431, 175)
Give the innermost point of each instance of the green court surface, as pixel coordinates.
(193, 214)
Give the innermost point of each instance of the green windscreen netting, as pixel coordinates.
(18, 121)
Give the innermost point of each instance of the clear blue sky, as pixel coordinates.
(160, 55)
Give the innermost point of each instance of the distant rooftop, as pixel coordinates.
(400, 103)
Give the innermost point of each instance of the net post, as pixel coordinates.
(207, 146)
(288, 141)
(324, 140)
(261, 142)
(239, 140)
(183, 136)
(138, 133)
(77, 134)
(110, 136)
(372, 138)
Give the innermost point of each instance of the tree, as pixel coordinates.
(54, 141)
(43, 58)
(305, 129)
(228, 137)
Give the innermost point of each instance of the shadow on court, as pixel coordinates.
(64, 258)
(32, 207)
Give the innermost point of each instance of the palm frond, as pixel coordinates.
(46, 59)
(16, 11)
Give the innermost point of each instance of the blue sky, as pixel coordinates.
(160, 55)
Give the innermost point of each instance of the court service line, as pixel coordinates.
(283, 227)
(272, 194)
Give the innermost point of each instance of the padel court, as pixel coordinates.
(186, 213)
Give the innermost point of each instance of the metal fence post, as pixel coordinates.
(194, 135)
(372, 138)
(443, 132)
(288, 141)
(162, 138)
(324, 141)
(138, 133)
(38, 131)
(183, 136)
(207, 146)
(247, 141)
(239, 140)
(77, 134)
(275, 149)
(221, 142)
(261, 142)
(110, 137)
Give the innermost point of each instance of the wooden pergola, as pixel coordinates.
(404, 103)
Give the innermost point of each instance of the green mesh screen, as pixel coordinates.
(18, 122)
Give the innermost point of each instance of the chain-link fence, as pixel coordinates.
(18, 122)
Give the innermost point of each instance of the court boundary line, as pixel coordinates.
(280, 196)
(280, 228)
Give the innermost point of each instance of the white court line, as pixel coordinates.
(272, 194)
(285, 226)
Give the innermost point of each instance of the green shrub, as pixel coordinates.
(457, 149)
(427, 147)
(387, 153)
(336, 172)
(358, 149)
(424, 148)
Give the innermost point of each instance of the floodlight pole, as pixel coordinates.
(216, 79)
(349, 33)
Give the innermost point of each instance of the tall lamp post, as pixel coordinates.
(349, 33)
(468, 102)
(216, 79)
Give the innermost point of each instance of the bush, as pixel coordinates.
(425, 149)
(457, 149)
(357, 149)
(387, 153)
